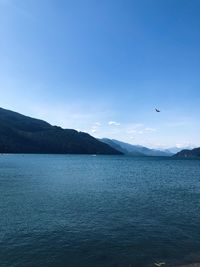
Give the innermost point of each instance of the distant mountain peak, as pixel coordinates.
(134, 150)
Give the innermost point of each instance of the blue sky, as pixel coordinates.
(103, 66)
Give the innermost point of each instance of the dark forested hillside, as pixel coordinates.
(22, 134)
(186, 153)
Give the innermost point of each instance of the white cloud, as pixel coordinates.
(185, 145)
(97, 123)
(150, 129)
(131, 131)
(138, 128)
(114, 123)
(95, 127)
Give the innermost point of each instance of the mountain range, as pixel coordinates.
(22, 134)
(174, 150)
(134, 150)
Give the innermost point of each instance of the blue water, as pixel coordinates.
(103, 211)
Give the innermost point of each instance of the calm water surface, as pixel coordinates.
(104, 211)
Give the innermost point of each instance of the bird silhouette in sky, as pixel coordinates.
(157, 110)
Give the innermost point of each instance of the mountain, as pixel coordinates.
(174, 150)
(187, 153)
(120, 146)
(22, 134)
(134, 150)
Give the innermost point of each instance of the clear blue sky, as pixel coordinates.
(103, 66)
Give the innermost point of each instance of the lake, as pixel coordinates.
(98, 211)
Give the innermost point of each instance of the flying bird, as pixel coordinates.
(157, 110)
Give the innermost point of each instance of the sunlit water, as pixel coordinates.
(103, 211)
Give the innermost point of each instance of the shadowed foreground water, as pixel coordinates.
(103, 211)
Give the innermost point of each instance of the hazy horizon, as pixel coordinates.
(103, 67)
